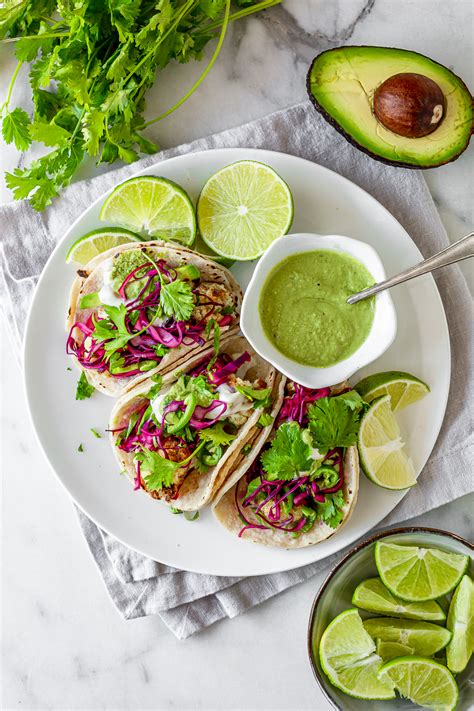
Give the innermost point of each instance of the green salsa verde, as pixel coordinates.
(304, 310)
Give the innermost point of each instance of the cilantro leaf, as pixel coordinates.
(100, 59)
(49, 133)
(95, 433)
(176, 299)
(216, 435)
(288, 455)
(83, 390)
(331, 510)
(333, 423)
(160, 472)
(352, 399)
(15, 129)
(112, 330)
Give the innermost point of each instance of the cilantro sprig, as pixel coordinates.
(91, 66)
(289, 453)
(84, 389)
(335, 421)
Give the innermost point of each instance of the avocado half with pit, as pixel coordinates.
(398, 106)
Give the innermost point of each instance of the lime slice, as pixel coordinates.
(425, 637)
(461, 624)
(155, 207)
(243, 208)
(93, 243)
(373, 596)
(347, 656)
(418, 574)
(390, 650)
(201, 247)
(382, 456)
(423, 681)
(403, 388)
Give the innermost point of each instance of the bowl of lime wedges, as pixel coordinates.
(392, 626)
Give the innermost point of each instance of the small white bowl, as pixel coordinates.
(384, 325)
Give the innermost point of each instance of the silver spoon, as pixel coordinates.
(462, 249)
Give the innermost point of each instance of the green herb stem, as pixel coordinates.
(10, 86)
(46, 35)
(204, 73)
(187, 7)
(204, 29)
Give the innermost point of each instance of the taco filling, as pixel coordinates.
(144, 309)
(188, 426)
(298, 480)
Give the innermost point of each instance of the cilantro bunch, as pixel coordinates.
(91, 64)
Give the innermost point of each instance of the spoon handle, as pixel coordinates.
(462, 249)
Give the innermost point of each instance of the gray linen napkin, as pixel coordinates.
(187, 602)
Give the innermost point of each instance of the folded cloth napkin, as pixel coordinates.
(188, 602)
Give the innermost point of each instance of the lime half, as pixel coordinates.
(390, 650)
(381, 448)
(423, 681)
(461, 624)
(424, 637)
(403, 388)
(93, 243)
(373, 596)
(243, 208)
(154, 207)
(347, 655)
(418, 574)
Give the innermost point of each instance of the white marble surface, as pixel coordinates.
(63, 644)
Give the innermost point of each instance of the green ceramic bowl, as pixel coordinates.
(335, 595)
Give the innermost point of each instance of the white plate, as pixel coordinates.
(326, 203)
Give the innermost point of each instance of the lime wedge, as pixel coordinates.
(243, 208)
(423, 681)
(425, 637)
(381, 449)
(390, 650)
(347, 656)
(93, 243)
(201, 247)
(154, 207)
(461, 624)
(403, 388)
(373, 596)
(418, 574)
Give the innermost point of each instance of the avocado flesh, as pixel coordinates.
(342, 82)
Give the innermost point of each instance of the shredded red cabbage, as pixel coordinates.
(295, 406)
(142, 352)
(272, 494)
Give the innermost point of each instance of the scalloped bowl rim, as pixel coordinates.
(384, 326)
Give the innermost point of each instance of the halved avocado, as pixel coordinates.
(342, 82)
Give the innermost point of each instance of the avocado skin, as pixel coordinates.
(334, 123)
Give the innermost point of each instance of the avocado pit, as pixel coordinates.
(410, 105)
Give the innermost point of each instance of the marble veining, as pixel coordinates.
(63, 644)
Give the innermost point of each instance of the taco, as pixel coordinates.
(139, 310)
(174, 438)
(297, 484)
